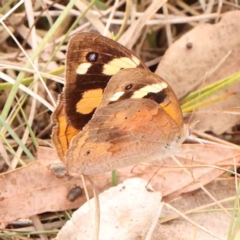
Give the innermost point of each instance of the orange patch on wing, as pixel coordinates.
(90, 100)
(62, 133)
(66, 133)
(171, 111)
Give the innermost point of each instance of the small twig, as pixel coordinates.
(154, 223)
(167, 26)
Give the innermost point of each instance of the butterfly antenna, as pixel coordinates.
(154, 175)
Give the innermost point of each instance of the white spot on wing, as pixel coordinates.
(154, 88)
(118, 63)
(83, 68)
(116, 96)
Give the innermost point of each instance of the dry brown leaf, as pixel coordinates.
(184, 68)
(172, 180)
(35, 189)
(210, 156)
(215, 221)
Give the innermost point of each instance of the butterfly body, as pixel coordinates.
(130, 115)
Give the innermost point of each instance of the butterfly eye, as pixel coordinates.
(128, 87)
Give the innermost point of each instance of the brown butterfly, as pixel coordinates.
(91, 61)
(137, 117)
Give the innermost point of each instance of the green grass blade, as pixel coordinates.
(198, 96)
(16, 138)
(114, 178)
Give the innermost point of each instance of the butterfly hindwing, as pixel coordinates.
(138, 119)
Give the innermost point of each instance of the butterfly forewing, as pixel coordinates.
(91, 61)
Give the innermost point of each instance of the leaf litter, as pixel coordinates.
(35, 189)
